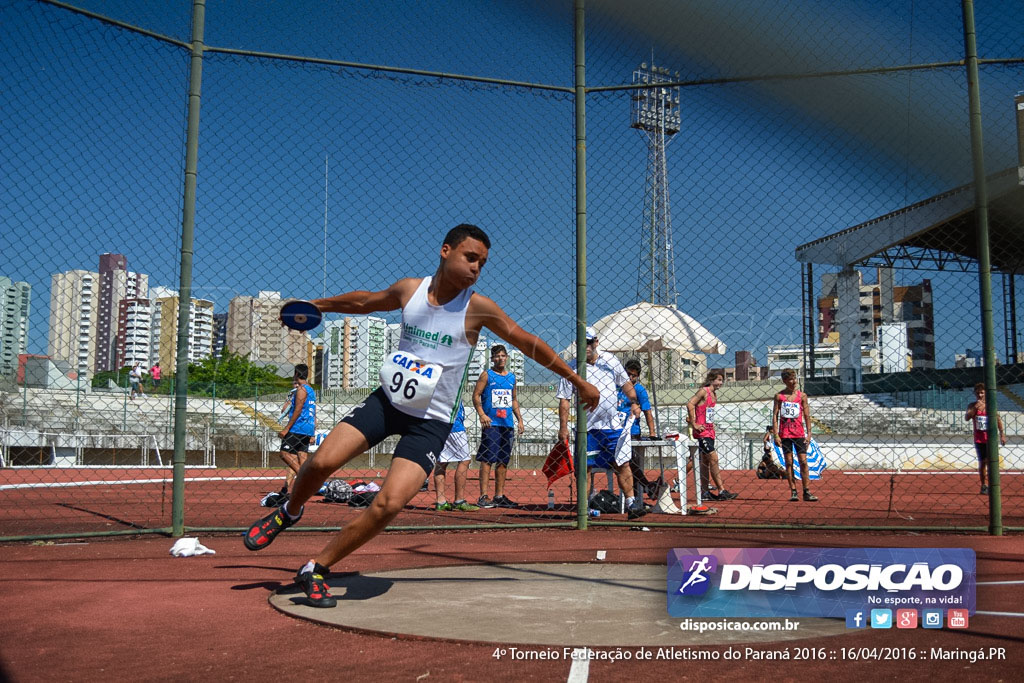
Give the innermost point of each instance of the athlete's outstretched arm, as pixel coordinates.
(360, 302)
(483, 312)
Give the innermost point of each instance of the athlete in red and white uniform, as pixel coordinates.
(976, 414)
(700, 416)
(791, 422)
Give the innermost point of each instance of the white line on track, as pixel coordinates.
(1001, 614)
(579, 672)
(903, 474)
(122, 482)
(997, 583)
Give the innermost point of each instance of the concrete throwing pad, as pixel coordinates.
(530, 604)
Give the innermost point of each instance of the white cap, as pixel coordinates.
(591, 334)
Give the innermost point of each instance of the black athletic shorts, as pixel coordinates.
(981, 449)
(422, 439)
(790, 445)
(705, 445)
(295, 443)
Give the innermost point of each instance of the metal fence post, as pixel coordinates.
(581, 253)
(995, 523)
(188, 224)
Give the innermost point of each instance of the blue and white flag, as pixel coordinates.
(815, 461)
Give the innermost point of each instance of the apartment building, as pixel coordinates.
(15, 301)
(73, 315)
(115, 284)
(254, 329)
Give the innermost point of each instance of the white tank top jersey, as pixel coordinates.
(424, 377)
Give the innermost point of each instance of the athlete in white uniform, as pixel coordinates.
(420, 385)
(605, 446)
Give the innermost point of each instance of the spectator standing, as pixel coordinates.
(497, 403)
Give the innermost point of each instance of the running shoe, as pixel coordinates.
(263, 531)
(984, 490)
(810, 497)
(484, 502)
(711, 495)
(443, 507)
(425, 486)
(314, 583)
(504, 502)
(792, 496)
(463, 506)
(637, 511)
(727, 495)
(272, 500)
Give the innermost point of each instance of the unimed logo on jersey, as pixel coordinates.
(425, 337)
(816, 582)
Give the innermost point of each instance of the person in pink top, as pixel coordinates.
(154, 375)
(700, 416)
(976, 414)
(791, 422)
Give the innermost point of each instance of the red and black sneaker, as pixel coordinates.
(263, 531)
(314, 582)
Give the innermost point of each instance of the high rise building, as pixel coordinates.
(73, 308)
(135, 333)
(15, 298)
(115, 284)
(220, 333)
(164, 330)
(517, 364)
(479, 360)
(880, 304)
(254, 329)
(354, 350)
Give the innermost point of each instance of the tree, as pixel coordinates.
(234, 375)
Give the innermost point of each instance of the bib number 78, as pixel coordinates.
(407, 387)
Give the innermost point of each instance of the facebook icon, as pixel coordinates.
(855, 618)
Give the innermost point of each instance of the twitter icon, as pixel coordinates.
(881, 618)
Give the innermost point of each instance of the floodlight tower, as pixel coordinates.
(654, 111)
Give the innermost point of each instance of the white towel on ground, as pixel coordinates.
(187, 547)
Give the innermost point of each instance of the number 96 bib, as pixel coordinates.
(408, 380)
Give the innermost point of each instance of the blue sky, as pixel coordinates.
(95, 136)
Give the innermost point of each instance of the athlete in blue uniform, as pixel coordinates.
(496, 402)
(301, 427)
(633, 368)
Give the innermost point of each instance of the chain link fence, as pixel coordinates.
(778, 186)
